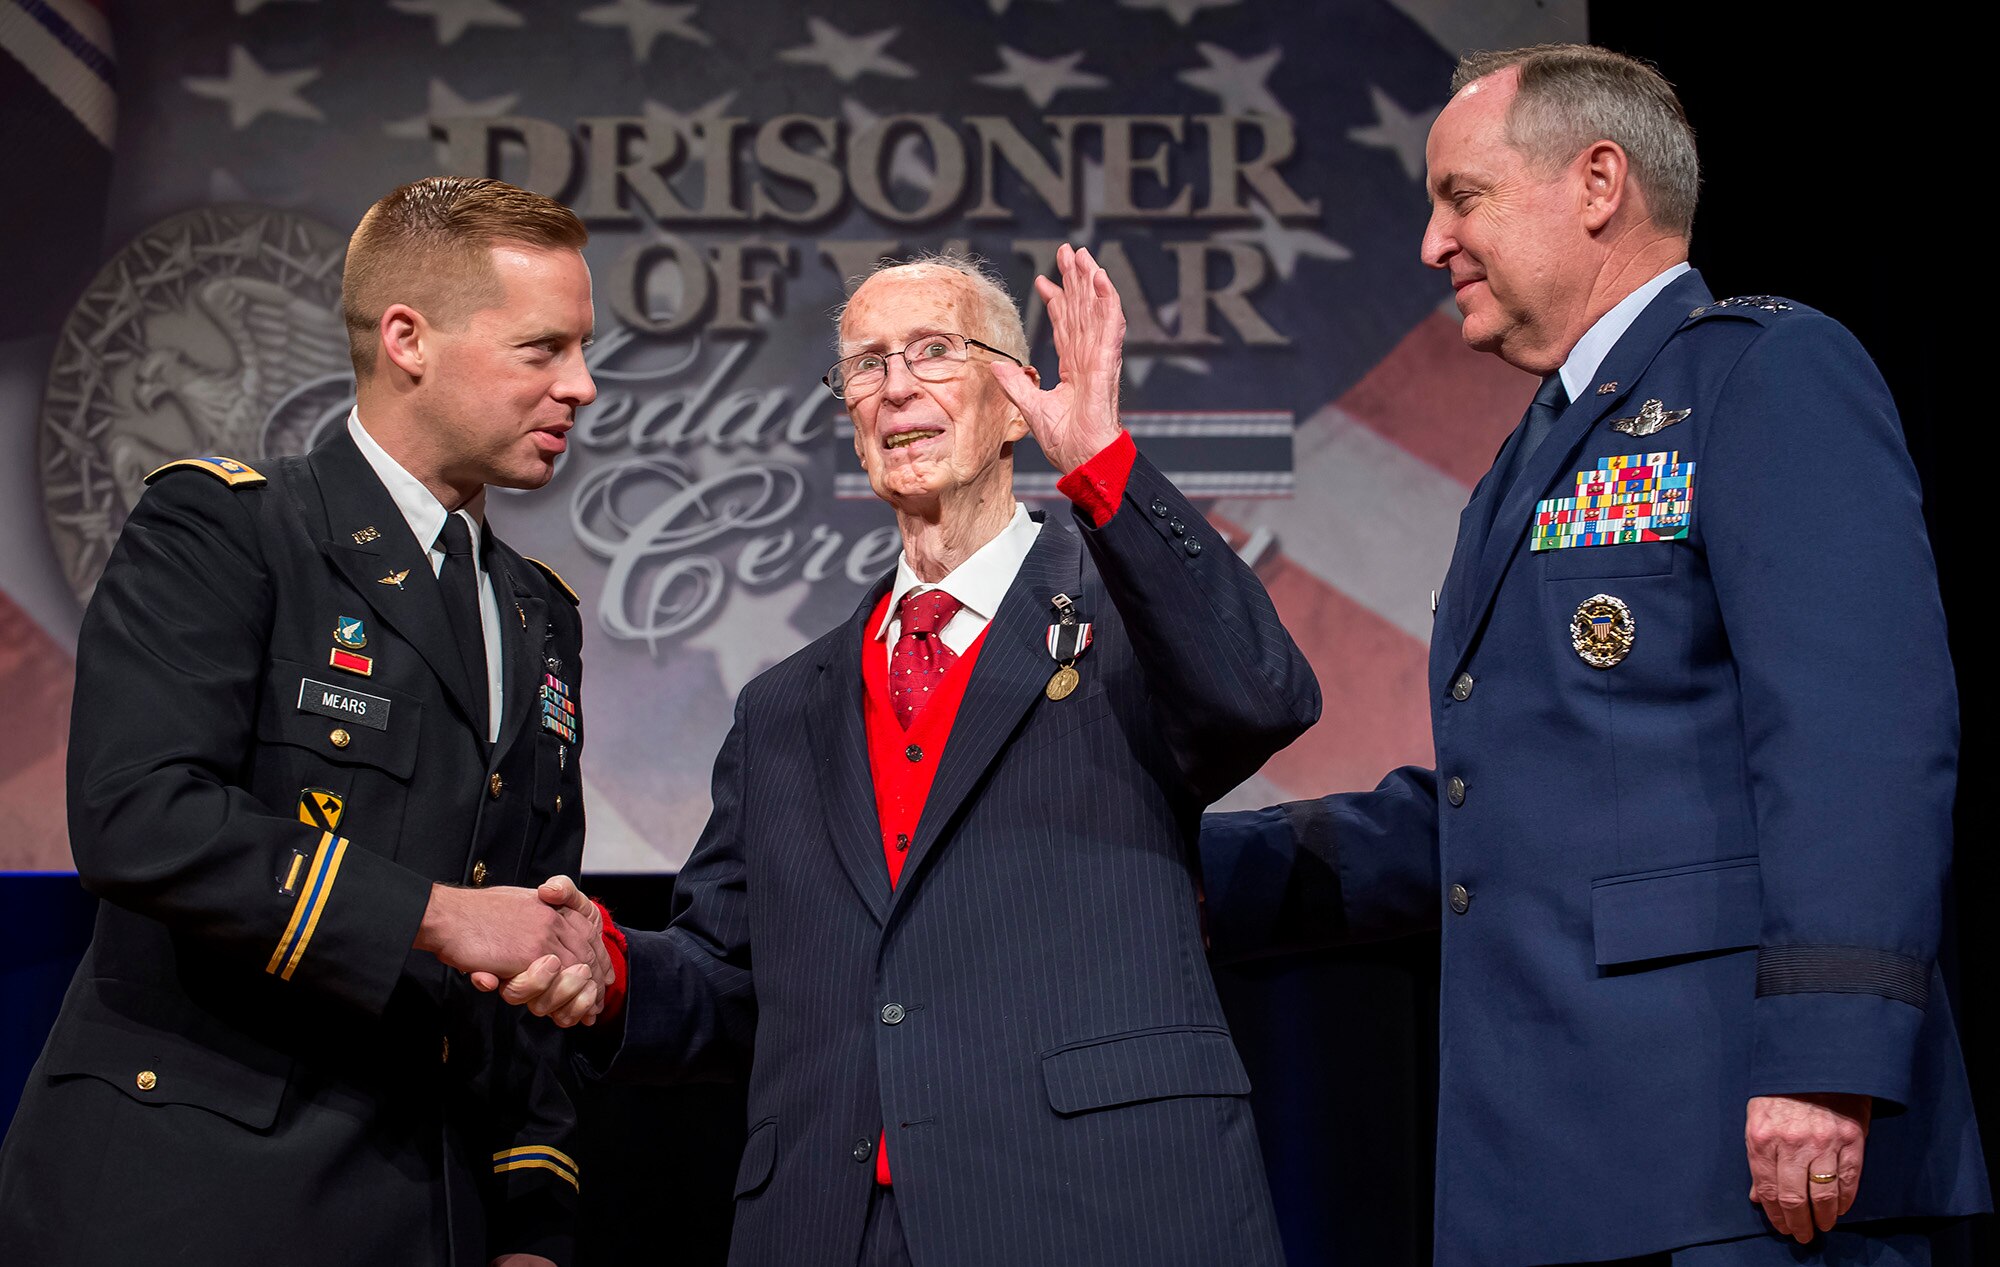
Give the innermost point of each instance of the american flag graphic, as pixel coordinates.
(1253, 167)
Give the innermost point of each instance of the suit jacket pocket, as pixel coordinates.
(158, 1049)
(1052, 720)
(1680, 911)
(760, 1151)
(1635, 558)
(1147, 1064)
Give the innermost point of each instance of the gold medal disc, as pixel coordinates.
(1062, 683)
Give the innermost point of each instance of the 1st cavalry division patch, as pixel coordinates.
(320, 808)
(1643, 497)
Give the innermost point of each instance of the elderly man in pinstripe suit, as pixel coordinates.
(944, 913)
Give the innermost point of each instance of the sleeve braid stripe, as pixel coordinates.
(323, 870)
(537, 1158)
(1843, 970)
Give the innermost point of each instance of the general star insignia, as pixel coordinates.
(394, 578)
(1653, 416)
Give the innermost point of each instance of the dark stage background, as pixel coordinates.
(1822, 172)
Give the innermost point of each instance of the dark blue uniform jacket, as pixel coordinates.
(1712, 870)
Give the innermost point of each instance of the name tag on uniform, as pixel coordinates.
(1640, 497)
(330, 700)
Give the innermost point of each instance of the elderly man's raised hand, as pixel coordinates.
(568, 994)
(1076, 418)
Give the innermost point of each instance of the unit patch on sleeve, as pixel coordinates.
(320, 808)
(1641, 497)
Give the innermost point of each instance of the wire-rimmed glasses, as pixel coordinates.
(933, 358)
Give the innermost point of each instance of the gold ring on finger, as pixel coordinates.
(1817, 1177)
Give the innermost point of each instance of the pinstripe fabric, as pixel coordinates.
(1061, 1086)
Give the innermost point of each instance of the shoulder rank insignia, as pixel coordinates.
(1769, 303)
(1653, 416)
(228, 470)
(560, 583)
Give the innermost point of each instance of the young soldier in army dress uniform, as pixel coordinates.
(325, 725)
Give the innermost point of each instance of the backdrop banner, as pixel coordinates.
(1249, 171)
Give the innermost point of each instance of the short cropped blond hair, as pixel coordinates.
(428, 244)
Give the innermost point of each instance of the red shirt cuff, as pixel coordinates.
(1099, 484)
(614, 946)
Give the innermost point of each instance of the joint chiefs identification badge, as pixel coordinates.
(1602, 631)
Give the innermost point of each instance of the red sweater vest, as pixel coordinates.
(903, 782)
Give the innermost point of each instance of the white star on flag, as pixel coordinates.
(668, 119)
(646, 22)
(446, 104)
(1040, 78)
(751, 633)
(1285, 244)
(1395, 128)
(1182, 11)
(251, 91)
(848, 57)
(454, 16)
(1237, 82)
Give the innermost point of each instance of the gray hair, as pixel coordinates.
(999, 316)
(1573, 95)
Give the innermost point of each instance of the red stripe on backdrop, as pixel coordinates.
(1371, 677)
(36, 677)
(1450, 408)
(1442, 401)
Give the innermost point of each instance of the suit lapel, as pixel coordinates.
(1012, 669)
(413, 606)
(1624, 364)
(524, 622)
(834, 717)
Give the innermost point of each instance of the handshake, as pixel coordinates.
(541, 948)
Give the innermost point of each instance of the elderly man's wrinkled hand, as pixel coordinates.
(1076, 418)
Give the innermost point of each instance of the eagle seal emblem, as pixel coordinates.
(213, 331)
(1602, 631)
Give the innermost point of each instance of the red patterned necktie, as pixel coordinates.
(921, 659)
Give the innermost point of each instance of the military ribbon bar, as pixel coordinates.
(1639, 497)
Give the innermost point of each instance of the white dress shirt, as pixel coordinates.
(1597, 342)
(426, 514)
(978, 584)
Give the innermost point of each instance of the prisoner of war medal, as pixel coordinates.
(1068, 639)
(1602, 631)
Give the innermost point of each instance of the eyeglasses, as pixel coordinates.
(933, 358)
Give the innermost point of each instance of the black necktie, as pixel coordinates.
(459, 579)
(1549, 402)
